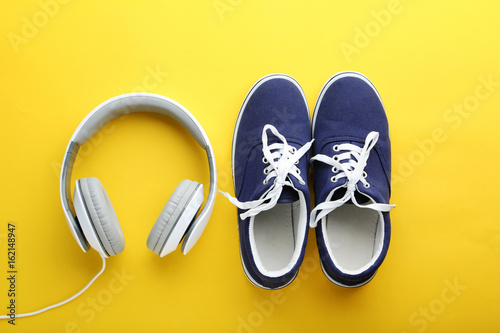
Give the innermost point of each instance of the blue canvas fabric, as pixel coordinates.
(279, 101)
(348, 111)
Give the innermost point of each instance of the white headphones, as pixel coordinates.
(96, 222)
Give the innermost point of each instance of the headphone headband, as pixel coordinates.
(114, 108)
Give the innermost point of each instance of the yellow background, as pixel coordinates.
(427, 59)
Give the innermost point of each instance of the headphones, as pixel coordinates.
(95, 222)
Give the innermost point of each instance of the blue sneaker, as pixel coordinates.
(352, 177)
(270, 159)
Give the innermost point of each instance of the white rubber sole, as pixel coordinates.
(236, 127)
(325, 87)
(344, 285)
(249, 277)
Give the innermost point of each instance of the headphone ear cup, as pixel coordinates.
(102, 224)
(176, 217)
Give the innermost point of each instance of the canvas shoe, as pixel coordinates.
(352, 177)
(270, 160)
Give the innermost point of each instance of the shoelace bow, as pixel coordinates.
(282, 160)
(350, 164)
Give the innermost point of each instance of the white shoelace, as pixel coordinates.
(350, 164)
(281, 160)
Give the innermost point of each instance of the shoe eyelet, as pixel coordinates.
(333, 179)
(367, 185)
(298, 171)
(296, 162)
(265, 182)
(294, 150)
(336, 148)
(266, 171)
(365, 174)
(264, 160)
(335, 170)
(335, 158)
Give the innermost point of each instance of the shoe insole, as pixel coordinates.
(352, 235)
(275, 234)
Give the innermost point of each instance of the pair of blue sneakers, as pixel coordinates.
(271, 153)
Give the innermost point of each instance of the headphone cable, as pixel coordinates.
(63, 302)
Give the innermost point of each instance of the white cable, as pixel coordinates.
(65, 301)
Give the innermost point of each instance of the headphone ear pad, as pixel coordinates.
(176, 217)
(102, 215)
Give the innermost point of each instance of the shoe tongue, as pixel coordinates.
(360, 197)
(288, 195)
